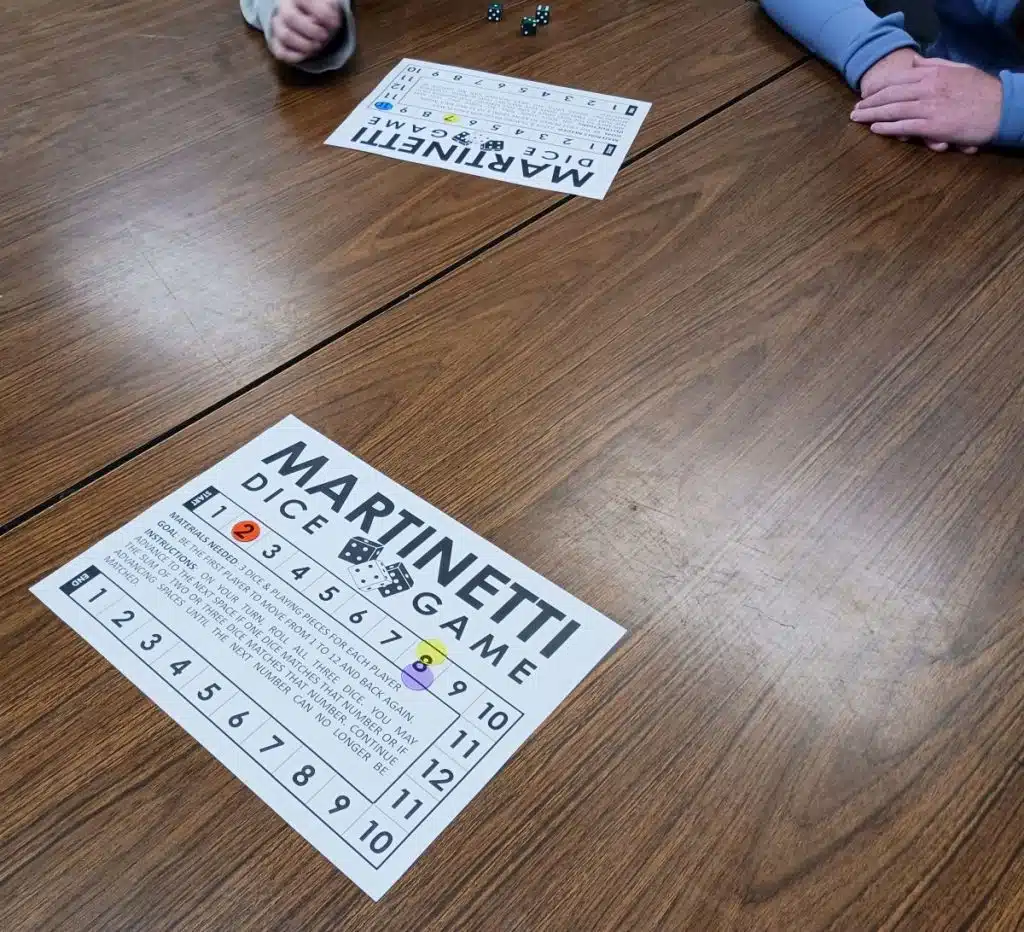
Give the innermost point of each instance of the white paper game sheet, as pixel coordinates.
(363, 662)
(523, 132)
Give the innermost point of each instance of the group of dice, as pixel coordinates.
(368, 572)
(528, 25)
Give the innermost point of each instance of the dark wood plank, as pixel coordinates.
(765, 411)
(171, 226)
(990, 838)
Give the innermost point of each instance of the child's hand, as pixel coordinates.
(937, 100)
(301, 28)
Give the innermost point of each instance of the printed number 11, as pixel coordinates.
(401, 799)
(474, 744)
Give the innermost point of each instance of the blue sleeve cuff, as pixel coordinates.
(882, 38)
(1011, 124)
(843, 32)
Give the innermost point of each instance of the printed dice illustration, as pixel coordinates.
(493, 145)
(464, 138)
(494, 13)
(543, 15)
(360, 550)
(371, 575)
(528, 26)
(400, 580)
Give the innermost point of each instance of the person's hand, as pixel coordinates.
(301, 28)
(939, 101)
(880, 73)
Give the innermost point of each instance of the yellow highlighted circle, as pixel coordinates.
(432, 652)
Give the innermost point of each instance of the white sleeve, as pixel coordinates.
(260, 13)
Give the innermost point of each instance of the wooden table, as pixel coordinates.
(172, 229)
(763, 408)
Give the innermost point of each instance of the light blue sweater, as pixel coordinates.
(988, 34)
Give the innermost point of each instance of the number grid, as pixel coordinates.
(211, 493)
(498, 85)
(228, 681)
(512, 90)
(439, 755)
(538, 136)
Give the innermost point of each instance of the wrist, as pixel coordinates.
(874, 51)
(875, 77)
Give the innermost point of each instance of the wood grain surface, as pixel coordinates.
(172, 226)
(765, 411)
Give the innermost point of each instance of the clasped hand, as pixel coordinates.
(942, 103)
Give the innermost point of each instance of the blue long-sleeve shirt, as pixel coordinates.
(988, 34)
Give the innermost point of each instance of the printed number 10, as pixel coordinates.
(497, 721)
(380, 842)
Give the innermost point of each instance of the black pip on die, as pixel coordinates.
(360, 550)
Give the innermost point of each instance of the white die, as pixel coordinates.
(371, 575)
